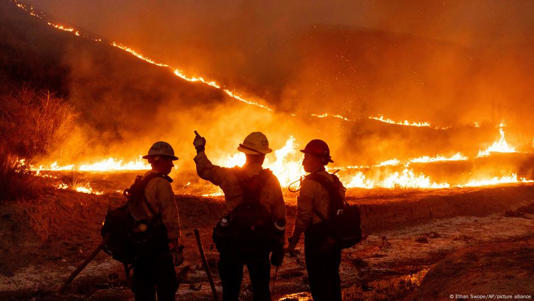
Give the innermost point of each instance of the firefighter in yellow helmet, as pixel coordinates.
(254, 224)
(314, 206)
(154, 272)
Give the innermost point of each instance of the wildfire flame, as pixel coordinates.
(326, 115)
(438, 158)
(499, 146)
(109, 164)
(404, 179)
(179, 73)
(86, 188)
(383, 119)
(64, 28)
(497, 180)
(286, 163)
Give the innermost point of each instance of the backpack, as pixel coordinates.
(343, 222)
(126, 239)
(248, 229)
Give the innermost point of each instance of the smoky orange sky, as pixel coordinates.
(445, 61)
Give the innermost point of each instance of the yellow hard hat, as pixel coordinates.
(161, 148)
(255, 144)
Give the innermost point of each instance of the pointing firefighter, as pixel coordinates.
(316, 203)
(255, 223)
(156, 213)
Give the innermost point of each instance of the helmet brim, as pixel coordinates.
(174, 158)
(249, 151)
(305, 152)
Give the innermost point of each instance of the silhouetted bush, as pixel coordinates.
(30, 124)
(16, 181)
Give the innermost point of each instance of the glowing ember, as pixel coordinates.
(79, 188)
(500, 146)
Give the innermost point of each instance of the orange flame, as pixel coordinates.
(79, 188)
(286, 164)
(109, 164)
(497, 180)
(404, 179)
(499, 146)
(381, 118)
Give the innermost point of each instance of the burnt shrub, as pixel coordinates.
(31, 124)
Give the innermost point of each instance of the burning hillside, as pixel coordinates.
(389, 173)
(419, 129)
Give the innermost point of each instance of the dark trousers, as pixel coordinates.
(154, 275)
(323, 269)
(231, 273)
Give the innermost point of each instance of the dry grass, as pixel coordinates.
(31, 123)
(16, 182)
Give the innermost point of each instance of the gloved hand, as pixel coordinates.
(277, 256)
(199, 142)
(177, 254)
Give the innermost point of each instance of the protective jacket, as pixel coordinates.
(160, 196)
(313, 199)
(227, 178)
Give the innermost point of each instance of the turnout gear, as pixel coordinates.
(255, 144)
(254, 225)
(322, 251)
(150, 226)
(161, 148)
(128, 237)
(313, 202)
(343, 221)
(249, 227)
(323, 270)
(159, 195)
(154, 275)
(270, 196)
(319, 148)
(231, 273)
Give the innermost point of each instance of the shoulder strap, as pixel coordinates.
(336, 202)
(139, 187)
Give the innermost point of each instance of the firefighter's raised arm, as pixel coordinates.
(205, 169)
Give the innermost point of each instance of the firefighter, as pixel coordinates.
(239, 236)
(322, 255)
(154, 272)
